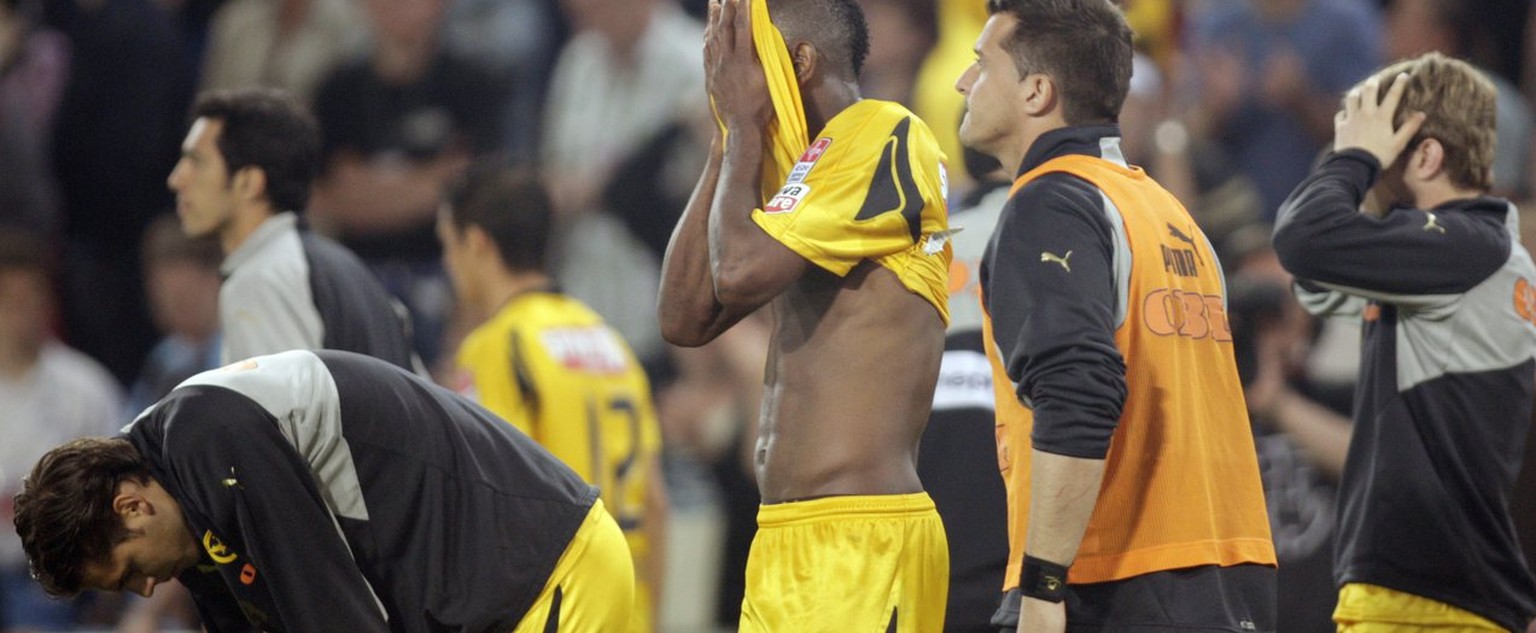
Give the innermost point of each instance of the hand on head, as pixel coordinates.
(1365, 122)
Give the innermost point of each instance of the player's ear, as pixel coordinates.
(805, 58)
(1426, 160)
(129, 502)
(1039, 94)
(478, 241)
(250, 183)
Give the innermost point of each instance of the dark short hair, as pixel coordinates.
(1083, 45)
(835, 27)
(510, 205)
(64, 511)
(268, 129)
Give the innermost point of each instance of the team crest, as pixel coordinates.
(217, 550)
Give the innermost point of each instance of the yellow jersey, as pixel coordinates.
(550, 366)
(871, 186)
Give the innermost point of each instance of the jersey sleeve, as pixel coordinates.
(859, 193)
(1054, 324)
(1410, 257)
(271, 527)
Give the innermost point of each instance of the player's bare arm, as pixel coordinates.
(1063, 493)
(687, 309)
(716, 242)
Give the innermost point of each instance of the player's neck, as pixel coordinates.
(505, 286)
(1428, 195)
(242, 223)
(824, 101)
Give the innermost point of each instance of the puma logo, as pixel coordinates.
(1184, 237)
(1432, 225)
(1047, 256)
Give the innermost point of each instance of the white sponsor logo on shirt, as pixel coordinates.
(788, 198)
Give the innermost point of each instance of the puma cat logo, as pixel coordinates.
(1047, 256)
(1184, 237)
(1432, 225)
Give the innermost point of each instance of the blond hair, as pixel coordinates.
(1459, 104)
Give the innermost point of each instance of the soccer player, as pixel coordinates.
(244, 175)
(1396, 228)
(1133, 486)
(550, 365)
(851, 256)
(329, 491)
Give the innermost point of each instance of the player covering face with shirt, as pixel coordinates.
(829, 211)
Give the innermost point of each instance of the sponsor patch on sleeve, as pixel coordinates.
(788, 198)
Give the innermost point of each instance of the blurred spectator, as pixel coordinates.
(628, 78)
(288, 44)
(193, 19)
(115, 138)
(934, 98)
(1301, 443)
(34, 65)
(632, 67)
(51, 394)
(1415, 27)
(181, 275)
(399, 125)
(1155, 24)
(901, 32)
(1195, 170)
(517, 39)
(1270, 73)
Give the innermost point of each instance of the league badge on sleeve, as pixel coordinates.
(808, 160)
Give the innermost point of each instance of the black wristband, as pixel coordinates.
(1043, 580)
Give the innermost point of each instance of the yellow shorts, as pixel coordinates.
(593, 585)
(1374, 609)
(853, 563)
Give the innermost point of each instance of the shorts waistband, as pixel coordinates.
(845, 506)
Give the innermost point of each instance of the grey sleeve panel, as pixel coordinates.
(1323, 302)
(1481, 331)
